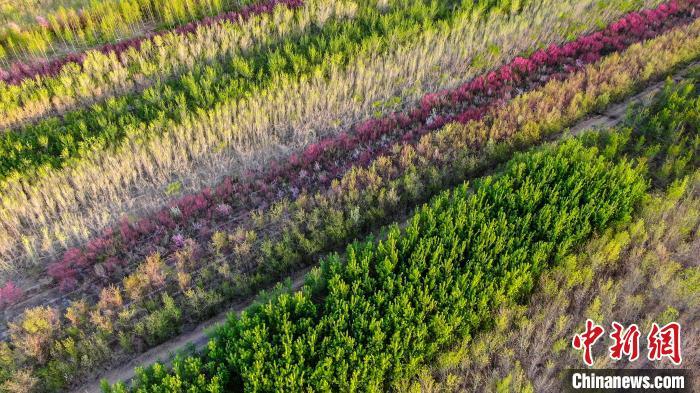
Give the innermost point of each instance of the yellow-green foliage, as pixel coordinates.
(243, 134)
(641, 299)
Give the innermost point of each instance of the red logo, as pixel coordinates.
(625, 342)
(663, 342)
(586, 340)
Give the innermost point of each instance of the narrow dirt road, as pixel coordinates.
(198, 337)
(615, 113)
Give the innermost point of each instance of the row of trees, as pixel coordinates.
(329, 159)
(291, 234)
(56, 141)
(25, 11)
(367, 320)
(101, 22)
(117, 68)
(104, 256)
(292, 112)
(637, 269)
(136, 64)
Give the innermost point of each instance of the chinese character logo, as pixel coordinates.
(625, 342)
(663, 342)
(586, 340)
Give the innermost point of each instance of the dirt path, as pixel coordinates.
(615, 113)
(199, 337)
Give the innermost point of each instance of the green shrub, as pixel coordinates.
(368, 320)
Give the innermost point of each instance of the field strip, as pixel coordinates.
(508, 122)
(112, 73)
(198, 338)
(192, 171)
(149, 239)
